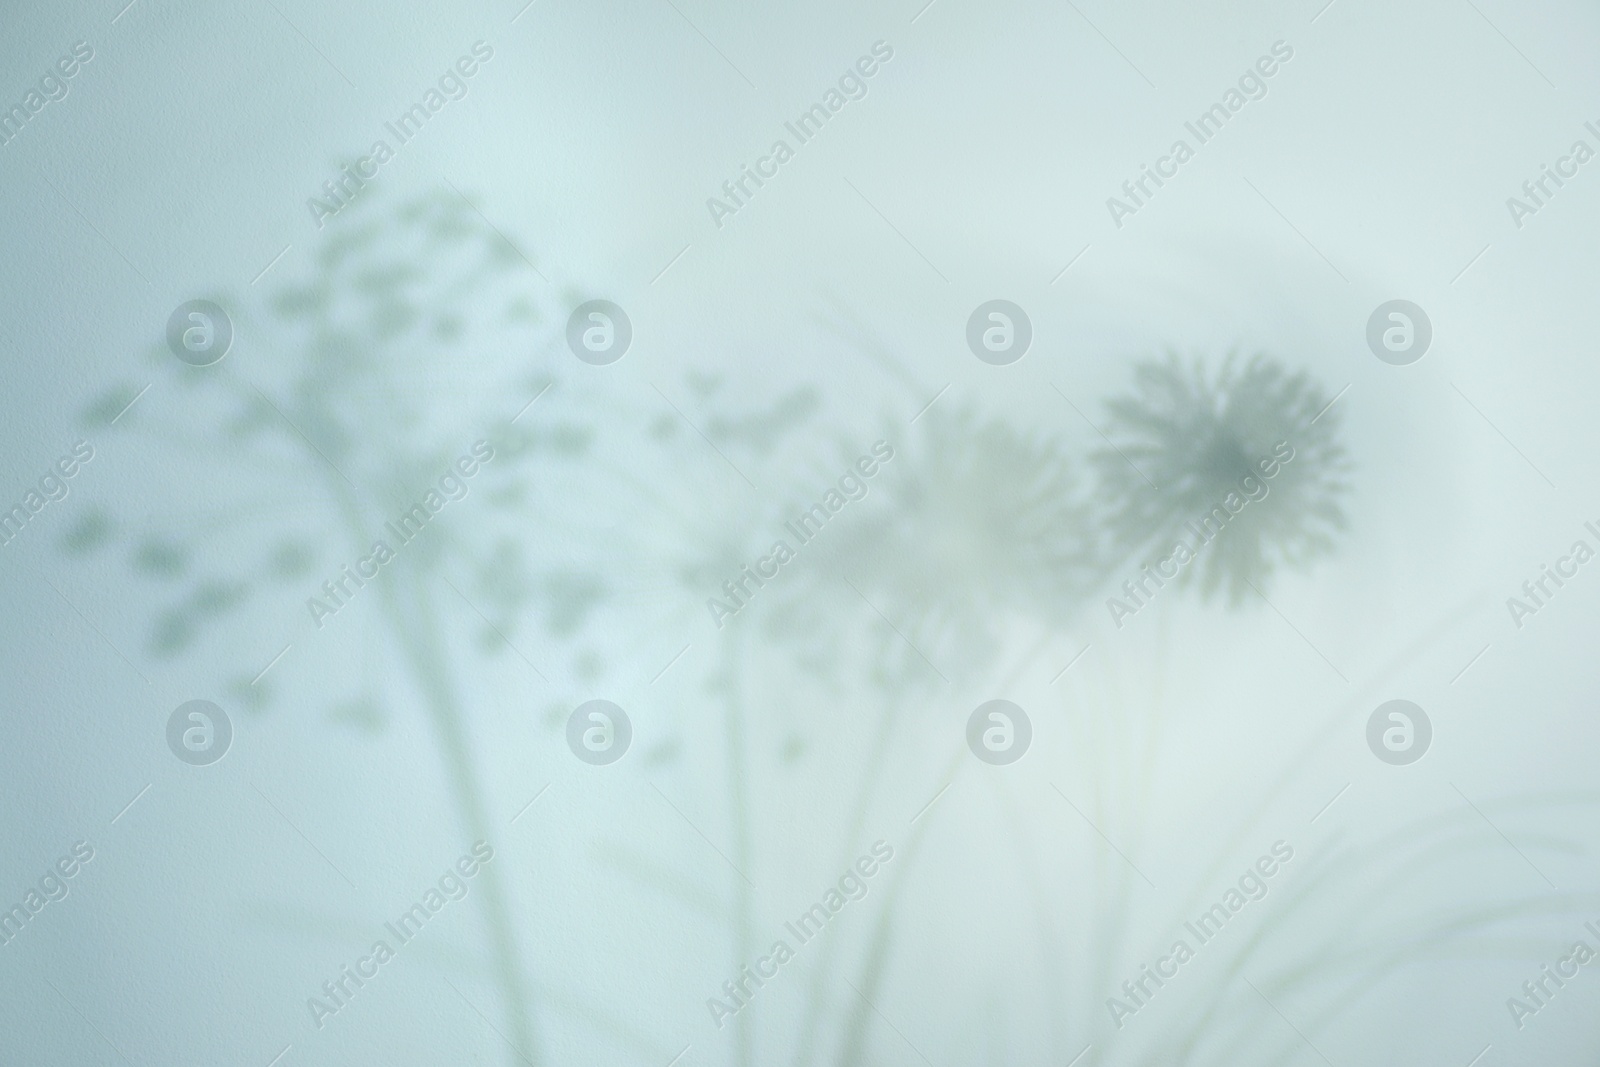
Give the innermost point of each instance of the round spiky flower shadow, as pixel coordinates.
(1190, 442)
(978, 522)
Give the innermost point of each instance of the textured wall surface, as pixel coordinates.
(682, 533)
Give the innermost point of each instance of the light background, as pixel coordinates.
(977, 166)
